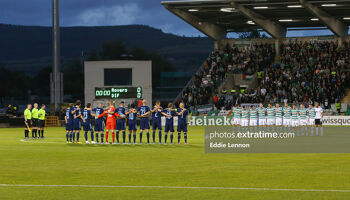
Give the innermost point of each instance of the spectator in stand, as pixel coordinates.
(307, 72)
(218, 65)
(139, 102)
(10, 110)
(215, 99)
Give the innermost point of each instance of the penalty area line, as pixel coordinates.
(177, 187)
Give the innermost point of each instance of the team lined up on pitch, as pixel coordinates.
(117, 118)
(267, 119)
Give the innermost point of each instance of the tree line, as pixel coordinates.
(18, 84)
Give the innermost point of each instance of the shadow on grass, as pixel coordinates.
(148, 146)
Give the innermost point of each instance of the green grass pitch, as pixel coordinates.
(53, 162)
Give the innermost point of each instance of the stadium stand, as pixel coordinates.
(205, 83)
(305, 72)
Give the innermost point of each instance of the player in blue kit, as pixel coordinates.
(169, 114)
(182, 122)
(144, 112)
(76, 121)
(120, 121)
(99, 123)
(132, 124)
(86, 114)
(69, 123)
(157, 121)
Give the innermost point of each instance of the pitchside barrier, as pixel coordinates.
(228, 121)
(51, 121)
(225, 121)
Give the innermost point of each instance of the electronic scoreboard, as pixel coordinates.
(118, 92)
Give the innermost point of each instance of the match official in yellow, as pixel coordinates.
(41, 122)
(27, 120)
(35, 120)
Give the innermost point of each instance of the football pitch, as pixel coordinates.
(52, 169)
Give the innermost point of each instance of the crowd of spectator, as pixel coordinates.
(205, 83)
(306, 72)
(11, 110)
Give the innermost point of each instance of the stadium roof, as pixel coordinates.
(217, 17)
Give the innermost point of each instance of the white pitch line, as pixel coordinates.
(175, 187)
(39, 142)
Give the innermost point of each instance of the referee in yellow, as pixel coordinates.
(27, 120)
(41, 122)
(35, 120)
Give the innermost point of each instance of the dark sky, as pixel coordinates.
(100, 12)
(94, 13)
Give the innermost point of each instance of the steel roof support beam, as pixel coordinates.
(274, 29)
(336, 26)
(211, 30)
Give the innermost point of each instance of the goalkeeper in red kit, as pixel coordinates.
(111, 121)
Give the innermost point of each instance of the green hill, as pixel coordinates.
(29, 48)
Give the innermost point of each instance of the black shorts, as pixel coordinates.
(41, 123)
(35, 122)
(318, 122)
(28, 122)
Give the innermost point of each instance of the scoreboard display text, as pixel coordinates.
(118, 92)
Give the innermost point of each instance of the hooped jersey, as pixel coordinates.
(245, 114)
(270, 113)
(262, 113)
(302, 114)
(286, 112)
(237, 112)
(279, 112)
(311, 112)
(253, 113)
(295, 113)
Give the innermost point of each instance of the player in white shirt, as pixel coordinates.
(303, 119)
(253, 119)
(236, 118)
(262, 117)
(311, 122)
(286, 117)
(244, 120)
(295, 119)
(318, 118)
(270, 118)
(279, 121)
